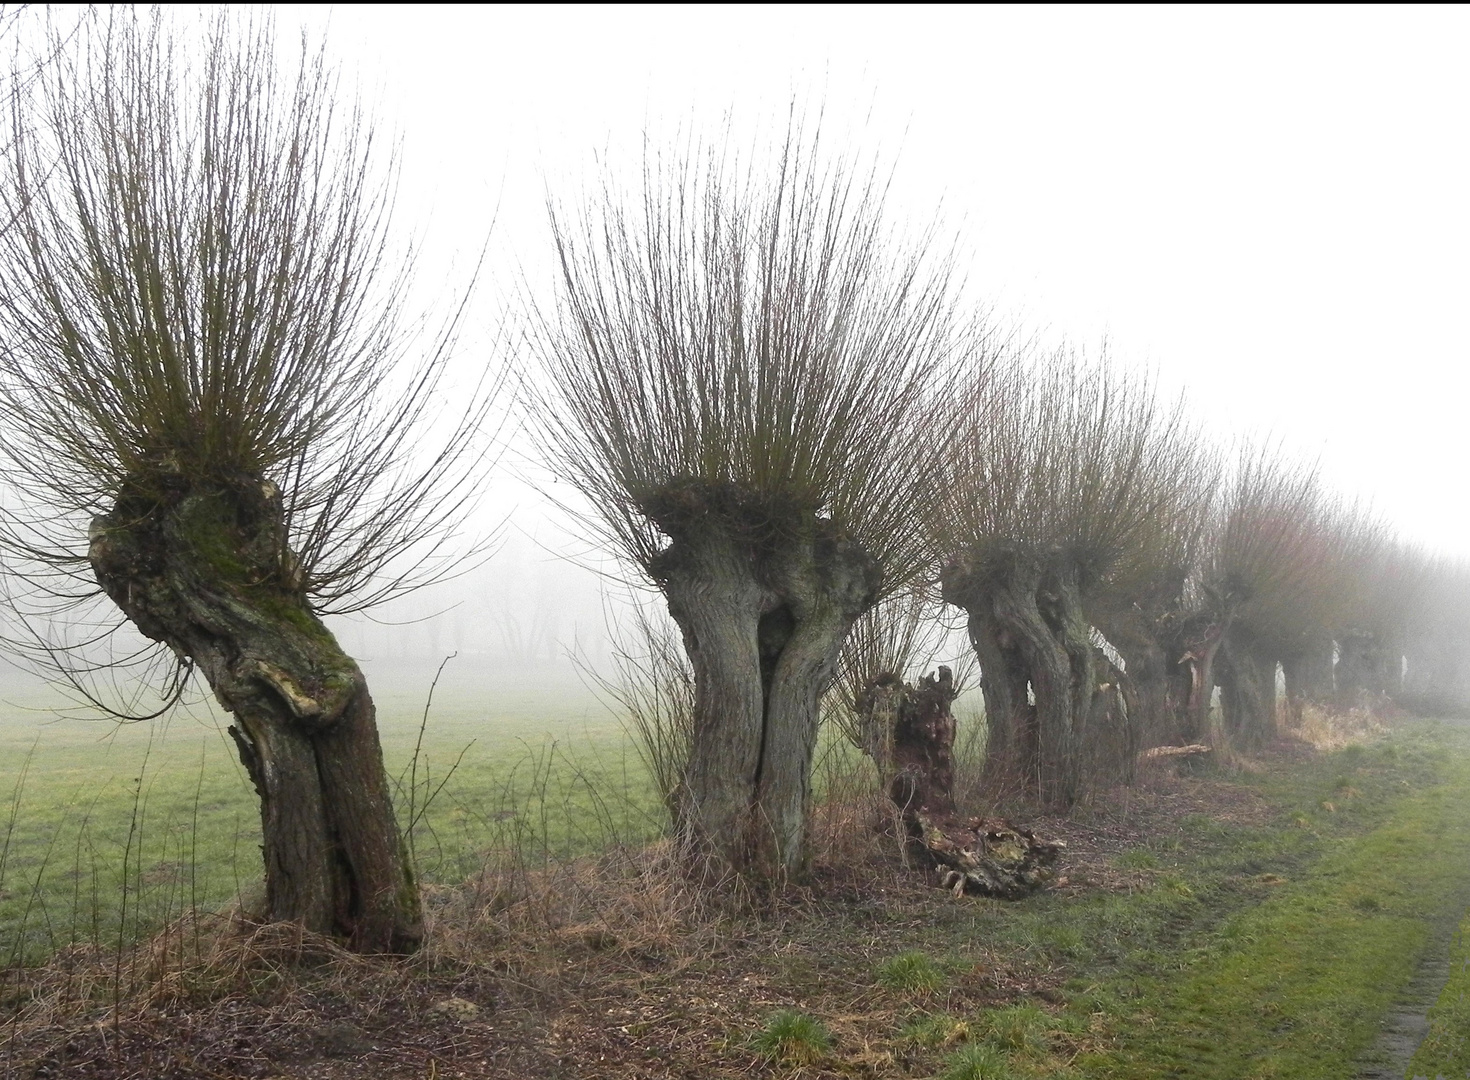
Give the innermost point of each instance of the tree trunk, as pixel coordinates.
(1113, 738)
(207, 571)
(1010, 718)
(1308, 674)
(1247, 691)
(1147, 680)
(1040, 610)
(1200, 638)
(764, 601)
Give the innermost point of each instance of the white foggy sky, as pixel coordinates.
(1267, 205)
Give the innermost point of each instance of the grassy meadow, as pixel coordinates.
(1222, 923)
(107, 831)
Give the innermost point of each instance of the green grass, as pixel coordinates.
(107, 831)
(794, 1037)
(1294, 982)
(976, 1062)
(1445, 1050)
(911, 972)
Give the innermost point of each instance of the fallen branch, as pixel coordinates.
(1176, 751)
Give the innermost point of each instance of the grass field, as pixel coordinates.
(107, 830)
(1250, 924)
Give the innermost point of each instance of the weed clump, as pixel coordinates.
(911, 972)
(977, 1062)
(933, 1030)
(794, 1037)
(1019, 1029)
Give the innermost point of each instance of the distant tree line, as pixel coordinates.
(781, 410)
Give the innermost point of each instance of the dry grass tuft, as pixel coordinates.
(1328, 729)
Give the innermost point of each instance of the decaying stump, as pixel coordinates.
(909, 732)
(987, 856)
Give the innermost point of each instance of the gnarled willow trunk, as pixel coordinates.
(1010, 717)
(1247, 672)
(205, 569)
(1152, 689)
(1035, 611)
(765, 597)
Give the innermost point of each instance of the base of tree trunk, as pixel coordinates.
(984, 856)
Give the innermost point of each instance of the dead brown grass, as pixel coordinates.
(1326, 729)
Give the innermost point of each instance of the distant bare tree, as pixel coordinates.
(201, 316)
(1436, 631)
(1261, 591)
(740, 378)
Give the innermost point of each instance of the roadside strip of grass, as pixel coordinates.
(1297, 985)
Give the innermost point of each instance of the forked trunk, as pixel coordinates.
(1040, 611)
(1200, 640)
(764, 607)
(206, 570)
(1147, 680)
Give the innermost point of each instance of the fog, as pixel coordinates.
(1263, 207)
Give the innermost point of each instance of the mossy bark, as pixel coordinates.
(205, 569)
(764, 596)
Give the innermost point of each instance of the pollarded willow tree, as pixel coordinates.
(1062, 471)
(1265, 587)
(206, 414)
(740, 377)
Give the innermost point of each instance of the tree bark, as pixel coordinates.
(1039, 608)
(764, 598)
(1247, 690)
(1200, 637)
(1010, 718)
(1148, 680)
(207, 571)
(911, 733)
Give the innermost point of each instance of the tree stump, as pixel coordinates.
(909, 732)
